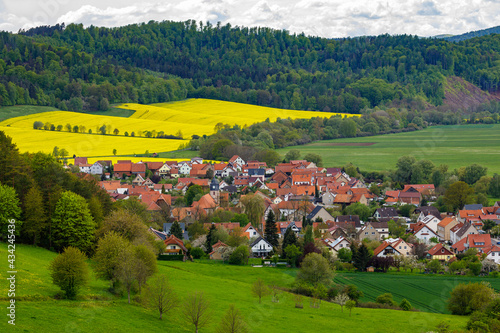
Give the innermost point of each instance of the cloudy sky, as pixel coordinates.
(326, 18)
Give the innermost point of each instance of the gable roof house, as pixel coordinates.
(431, 221)
(174, 245)
(386, 212)
(439, 252)
(493, 253)
(218, 251)
(373, 231)
(321, 213)
(392, 247)
(334, 245)
(479, 242)
(423, 232)
(260, 247)
(460, 231)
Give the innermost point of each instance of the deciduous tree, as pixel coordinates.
(159, 295)
(197, 310)
(233, 322)
(69, 271)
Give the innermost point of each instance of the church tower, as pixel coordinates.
(214, 190)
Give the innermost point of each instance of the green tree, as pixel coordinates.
(434, 266)
(9, 210)
(289, 239)
(386, 299)
(315, 158)
(292, 252)
(458, 195)
(114, 151)
(292, 154)
(361, 257)
(359, 209)
(191, 193)
(309, 237)
(404, 169)
(210, 238)
(271, 231)
(232, 322)
(69, 271)
(473, 173)
(176, 230)
(315, 270)
(405, 305)
(344, 255)
(494, 187)
(107, 255)
(467, 298)
(348, 128)
(397, 228)
(350, 305)
(72, 223)
(254, 208)
(488, 225)
(239, 256)
(145, 265)
(35, 219)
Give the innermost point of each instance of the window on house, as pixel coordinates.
(373, 233)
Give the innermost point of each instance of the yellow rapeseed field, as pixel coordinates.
(193, 116)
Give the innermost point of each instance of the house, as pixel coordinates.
(392, 247)
(139, 169)
(328, 198)
(236, 159)
(164, 170)
(96, 169)
(423, 232)
(260, 247)
(138, 180)
(439, 252)
(431, 221)
(386, 212)
(349, 219)
(463, 231)
(155, 167)
(218, 251)
(374, 231)
(479, 242)
(320, 212)
(424, 189)
(335, 245)
(427, 210)
(85, 168)
(160, 235)
(250, 231)
(184, 168)
(493, 253)
(80, 160)
(467, 215)
(167, 226)
(444, 227)
(174, 245)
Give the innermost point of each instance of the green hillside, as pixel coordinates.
(98, 311)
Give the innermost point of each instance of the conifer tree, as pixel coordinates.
(271, 231)
(176, 230)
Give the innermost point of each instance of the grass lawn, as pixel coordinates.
(98, 311)
(7, 112)
(455, 146)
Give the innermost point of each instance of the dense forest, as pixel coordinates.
(78, 68)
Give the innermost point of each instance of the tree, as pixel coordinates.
(344, 255)
(289, 239)
(291, 155)
(434, 266)
(254, 208)
(494, 187)
(69, 271)
(197, 310)
(315, 270)
(467, 298)
(176, 230)
(72, 222)
(145, 264)
(210, 238)
(232, 322)
(114, 151)
(364, 212)
(315, 158)
(473, 173)
(125, 224)
(292, 252)
(240, 255)
(160, 295)
(350, 305)
(35, 220)
(348, 128)
(271, 231)
(405, 305)
(361, 257)
(404, 169)
(458, 195)
(125, 270)
(397, 228)
(488, 225)
(107, 255)
(116, 131)
(191, 193)
(386, 298)
(341, 299)
(63, 153)
(259, 289)
(308, 237)
(9, 209)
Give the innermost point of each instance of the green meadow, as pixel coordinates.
(455, 146)
(98, 311)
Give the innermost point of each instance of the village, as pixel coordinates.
(298, 194)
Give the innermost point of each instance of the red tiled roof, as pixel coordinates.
(436, 250)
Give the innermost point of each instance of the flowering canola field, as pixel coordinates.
(193, 116)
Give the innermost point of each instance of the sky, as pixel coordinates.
(325, 18)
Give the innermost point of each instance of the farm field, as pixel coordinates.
(98, 311)
(425, 292)
(455, 146)
(193, 116)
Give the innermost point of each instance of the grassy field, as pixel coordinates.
(426, 293)
(98, 311)
(7, 112)
(453, 145)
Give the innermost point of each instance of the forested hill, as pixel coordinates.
(473, 34)
(76, 68)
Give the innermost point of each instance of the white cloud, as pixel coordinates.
(326, 18)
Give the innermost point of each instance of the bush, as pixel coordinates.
(467, 298)
(405, 305)
(386, 299)
(70, 271)
(353, 292)
(197, 252)
(239, 256)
